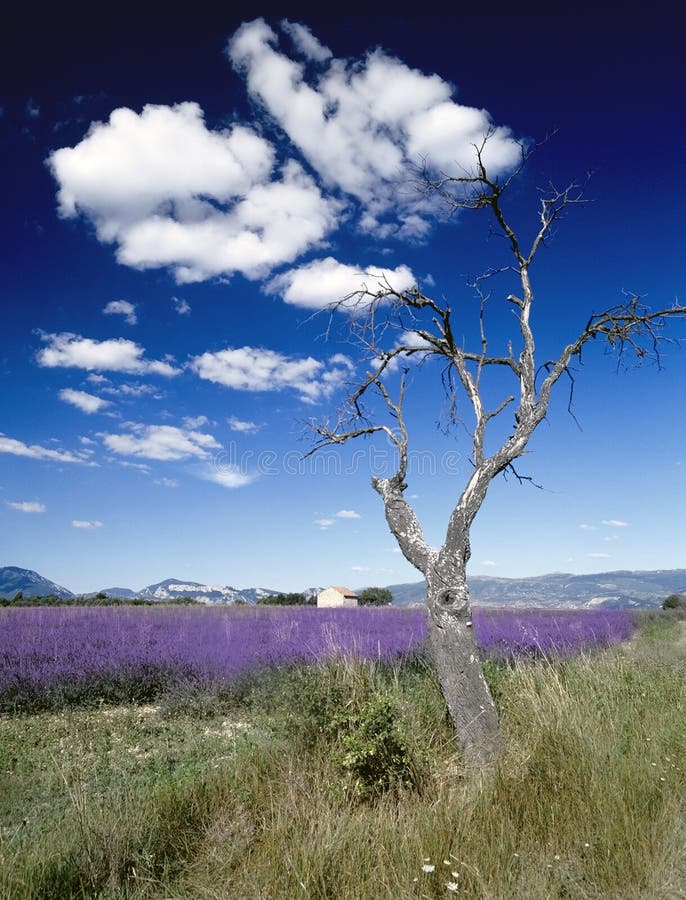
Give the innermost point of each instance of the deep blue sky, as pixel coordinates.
(127, 493)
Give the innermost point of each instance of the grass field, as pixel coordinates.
(340, 780)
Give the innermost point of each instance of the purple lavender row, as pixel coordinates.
(507, 633)
(44, 649)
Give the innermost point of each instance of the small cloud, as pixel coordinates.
(86, 525)
(616, 523)
(68, 350)
(166, 482)
(32, 109)
(324, 523)
(599, 555)
(163, 442)
(228, 476)
(347, 514)
(360, 569)
(585, 527)
(88, 403)
(27, 506)
(182, 306)
(35, 451)
(242, 425)
(195, 421)
(122, 308)
(488, 562)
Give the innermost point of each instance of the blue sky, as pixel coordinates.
(176, 216)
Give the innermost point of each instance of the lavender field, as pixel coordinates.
(512, 633)
(50, 656)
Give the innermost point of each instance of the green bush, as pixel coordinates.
(674, 601)
(372, 751)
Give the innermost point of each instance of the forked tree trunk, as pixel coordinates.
(459, 670)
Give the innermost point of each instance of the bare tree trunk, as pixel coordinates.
(459, 670)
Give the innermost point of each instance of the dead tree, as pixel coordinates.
(427, 329)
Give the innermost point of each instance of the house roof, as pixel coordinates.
(345, 591)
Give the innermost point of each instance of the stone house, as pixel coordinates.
(337, 596)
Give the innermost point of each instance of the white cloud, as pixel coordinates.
(114, 355)
(305, 42)
(182, 306)
(166, 482)
(325, 281)
(195, 421)
(585, 527)
(257, 369)
(163, 442)
(361, 123)
(86, 525)
(616, 523)
(89, 403)
(242, 425)
(94, 378)
(35, 451)
(169, 192)
(122, 308)
(489, 563)
(26, 506)
(134, 389)
(347, 514)
(324, 523)
(599, 555)
(228, 476)
(360, 569)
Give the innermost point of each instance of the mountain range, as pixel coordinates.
(622, 589)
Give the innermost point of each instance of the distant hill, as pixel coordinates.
(618, 590)
(622, 589)
(30, 583)
(175, 588)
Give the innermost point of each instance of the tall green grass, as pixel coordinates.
(343, 782)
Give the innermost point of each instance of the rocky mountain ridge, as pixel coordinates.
(622, 589)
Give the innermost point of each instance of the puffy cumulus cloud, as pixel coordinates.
(86, 525)
(121, 308)
(361, 123)
(169, 192)
(182, 307)
(257, 369)
(113, 355)
(89, 403)
(26, 506)
(162, 442)
(325, 281)
(274, 224)
(35, 451)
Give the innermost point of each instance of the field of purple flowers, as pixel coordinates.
(49, 656)
(52, 656)
(512, 633)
